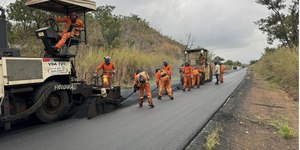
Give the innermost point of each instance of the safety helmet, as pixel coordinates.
(186, 63)
(107, 59)
(138, 71)
(165, 63)
(156, 69)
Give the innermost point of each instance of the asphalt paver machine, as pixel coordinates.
(48, 87)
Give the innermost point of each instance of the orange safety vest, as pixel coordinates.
(222, 68)
(195, 72)
(107, 69)
(168, 70)
(187, 70)
(137, 76)
(68, 21)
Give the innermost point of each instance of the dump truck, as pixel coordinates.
(197, 58)
(48, 87)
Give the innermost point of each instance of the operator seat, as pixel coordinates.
(50, 38)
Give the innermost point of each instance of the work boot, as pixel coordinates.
(151, 106)
(159, 97)
(171, 97)
(140, 104)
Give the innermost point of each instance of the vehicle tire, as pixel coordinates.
(182, 80)
(53, 108)
(202, 78)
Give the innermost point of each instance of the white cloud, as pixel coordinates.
(226, 27)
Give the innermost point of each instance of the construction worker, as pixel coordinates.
(167, 69)
(217, 72)
(195, 77)
(187, 72)
(73, 26)
(222, 68)
(108, 70)
(141, 83)
(207, 71)
(163, 81)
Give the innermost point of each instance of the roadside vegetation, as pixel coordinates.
(127, 61)
(280, 67)
(281, 124)
(213, 139)
(284, 129)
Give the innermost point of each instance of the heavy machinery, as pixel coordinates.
(197, 58)
(48, 87)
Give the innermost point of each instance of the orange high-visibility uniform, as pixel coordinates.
(187, 72)
(168, 70)
(195, 76)
(65, 35)
(143, 86)
(108, 70)
(164, 81)
(222, 68)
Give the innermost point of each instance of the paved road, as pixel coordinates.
(170, 125)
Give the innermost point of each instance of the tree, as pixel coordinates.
(253, 62)
(279, 25)
(218, 59)
(110, 24)
(237, 63)
(190, 41)
(26, 16)
(229, 62)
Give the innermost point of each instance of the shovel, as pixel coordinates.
(145, 96)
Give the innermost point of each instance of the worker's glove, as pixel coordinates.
(95, 74)
(114, 72)
(135, 88)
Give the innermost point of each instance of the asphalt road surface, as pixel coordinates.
(170, 125)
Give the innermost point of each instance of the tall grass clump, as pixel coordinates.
(212, 140)
(284, 129)
(281, 67)
(126, 60)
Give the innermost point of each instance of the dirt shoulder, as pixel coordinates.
(252, 119)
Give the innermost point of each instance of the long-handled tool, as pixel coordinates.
(145, 96)
(178, 88)
(129, 95)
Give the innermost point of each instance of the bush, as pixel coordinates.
(281, 67)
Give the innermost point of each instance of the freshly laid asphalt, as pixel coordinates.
(170, 125)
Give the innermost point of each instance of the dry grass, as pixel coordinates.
(281, 68)
(284, 129)
(127, 61)
(213, 139)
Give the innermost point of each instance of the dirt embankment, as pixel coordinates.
(257, 117)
